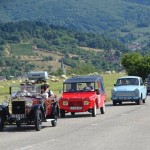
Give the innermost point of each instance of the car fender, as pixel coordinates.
(4, 111)
(37, 107)
(54, 108)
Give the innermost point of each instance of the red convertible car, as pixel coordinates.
(81, 94)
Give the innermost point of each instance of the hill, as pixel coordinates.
(29, 46)
(127, 20)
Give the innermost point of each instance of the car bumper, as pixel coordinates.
(125, 99)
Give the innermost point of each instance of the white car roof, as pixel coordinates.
(130, 77)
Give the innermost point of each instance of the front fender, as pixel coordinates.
(33, 110)
(4, 112)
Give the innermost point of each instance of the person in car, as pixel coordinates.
(22, 92)
(88, 87)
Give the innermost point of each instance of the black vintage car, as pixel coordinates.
(28, 107)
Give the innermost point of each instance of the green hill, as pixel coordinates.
(121, 19)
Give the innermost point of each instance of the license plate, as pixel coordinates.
(19, 116)
(75, 108)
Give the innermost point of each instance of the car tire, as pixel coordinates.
(73, 113)
(114, 103)
(62, 113)
(139, 102)
(1, 123)
(94, 111)
(54, 123)
(102, 109)
(38, 120)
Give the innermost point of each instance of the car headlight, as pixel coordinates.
(29, 103)
(113, 92)
(136, 91)
(86, 102)
(65, 103)
(5, 102)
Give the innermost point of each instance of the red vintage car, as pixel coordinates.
(27, 107)
(81, 94)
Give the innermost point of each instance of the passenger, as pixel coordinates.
(123, 82)
(47, 90)
(88, 87)
(44, 92)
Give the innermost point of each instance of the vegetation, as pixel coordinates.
(117, 18)
(136, 64)
(70, 44)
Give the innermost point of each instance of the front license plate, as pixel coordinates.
(75, 108)
(18, 116)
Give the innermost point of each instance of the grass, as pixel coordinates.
(56, 87)
(21, 49)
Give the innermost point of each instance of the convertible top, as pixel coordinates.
(83, 79)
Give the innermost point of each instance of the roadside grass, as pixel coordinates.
(57, 87)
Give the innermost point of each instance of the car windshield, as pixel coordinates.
(32, 89)
(79, 87)
(127, 81)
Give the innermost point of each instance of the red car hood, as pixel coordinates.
(78, 95)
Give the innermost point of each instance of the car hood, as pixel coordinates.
(126, 88)
(78, 95)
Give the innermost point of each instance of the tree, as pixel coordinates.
(136, 64)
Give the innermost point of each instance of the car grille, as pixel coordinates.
(18, 107)
(75, 104)
(125, 93)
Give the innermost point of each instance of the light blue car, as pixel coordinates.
(129, 88)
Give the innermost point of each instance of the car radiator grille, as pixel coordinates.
(125, 93)
(75, 104)
(18, 107)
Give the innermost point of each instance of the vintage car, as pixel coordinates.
(76, 97)
(27, 107)
(129, 88)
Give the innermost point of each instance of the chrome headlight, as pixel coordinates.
(65, 103)
(29, 103)
(5, 102)
(136, 91)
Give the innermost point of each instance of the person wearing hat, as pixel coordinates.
(47, 90)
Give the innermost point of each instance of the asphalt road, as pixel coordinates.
(122, 127)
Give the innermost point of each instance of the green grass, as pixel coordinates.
(56, 87)
(21, 49)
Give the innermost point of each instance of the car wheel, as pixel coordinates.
(38, 120)
(102, 109)
(18, 124)
(139, 102)
(114, 103)
(62, 113)
(94, 111)
(72, 113)
(54, 122)
(1, 123)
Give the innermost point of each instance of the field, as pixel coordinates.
(56, 87)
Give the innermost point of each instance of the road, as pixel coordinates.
(122, 127)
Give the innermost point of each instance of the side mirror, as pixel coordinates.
(10, 90)
(114, 84)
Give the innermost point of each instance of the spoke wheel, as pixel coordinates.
(38, 120)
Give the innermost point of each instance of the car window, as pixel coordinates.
(127, 81)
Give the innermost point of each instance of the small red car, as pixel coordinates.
(81, 94)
